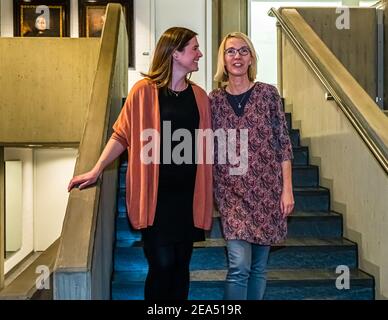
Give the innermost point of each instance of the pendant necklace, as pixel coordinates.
(242, 99)
(176, 93)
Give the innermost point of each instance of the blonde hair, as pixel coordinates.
(160, 71)
(221, 73)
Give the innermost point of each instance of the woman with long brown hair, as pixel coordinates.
(168, 199)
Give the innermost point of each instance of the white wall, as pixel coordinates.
(45, 176)
(144, 40)
(26, 156)
(13, 205)
(74, 30)
(153, 17)
(53, 169)
(6, 21)
(189, 14)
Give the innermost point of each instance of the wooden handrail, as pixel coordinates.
(380, 4)
(73, 268)
(363, 113)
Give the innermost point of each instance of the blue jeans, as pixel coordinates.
(246, 278)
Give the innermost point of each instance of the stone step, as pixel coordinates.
(315, 224)
(305, 176)
(306, 199)
(291, 254)
(302, 267)
(301, 284)
(301, 156)
(300, 224)
(295, 137)
(302, 176)
(312, 199)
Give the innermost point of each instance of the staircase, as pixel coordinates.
(302, 267)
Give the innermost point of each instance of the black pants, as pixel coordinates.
(168, 275)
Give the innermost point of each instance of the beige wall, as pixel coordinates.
(45, 88)
(350, 3)
(233, 15)
(385, 54)
(357, 183)
(228, 16)
(355, 47)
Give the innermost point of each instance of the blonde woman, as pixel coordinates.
(170, 202)
(253, 205)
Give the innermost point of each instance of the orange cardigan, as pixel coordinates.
(140, 112)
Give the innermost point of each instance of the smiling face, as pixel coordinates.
(237, 65)
(187, 59)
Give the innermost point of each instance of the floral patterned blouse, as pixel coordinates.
(249, 203)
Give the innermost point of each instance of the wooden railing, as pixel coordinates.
(84, 262)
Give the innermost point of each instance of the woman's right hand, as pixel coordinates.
(83, 180)
(111, 151)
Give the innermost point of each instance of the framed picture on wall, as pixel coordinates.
(92, 19)
(37, 18)
(95, 19)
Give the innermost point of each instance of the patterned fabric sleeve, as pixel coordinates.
(281, 142)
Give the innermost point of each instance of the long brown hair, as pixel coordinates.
(175, 38)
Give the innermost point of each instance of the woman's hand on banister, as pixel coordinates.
(83, 180)
(112, 150)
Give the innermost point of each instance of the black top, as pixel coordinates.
(174, 209)
(239, 101)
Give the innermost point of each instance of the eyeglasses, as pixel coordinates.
(231, 52)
